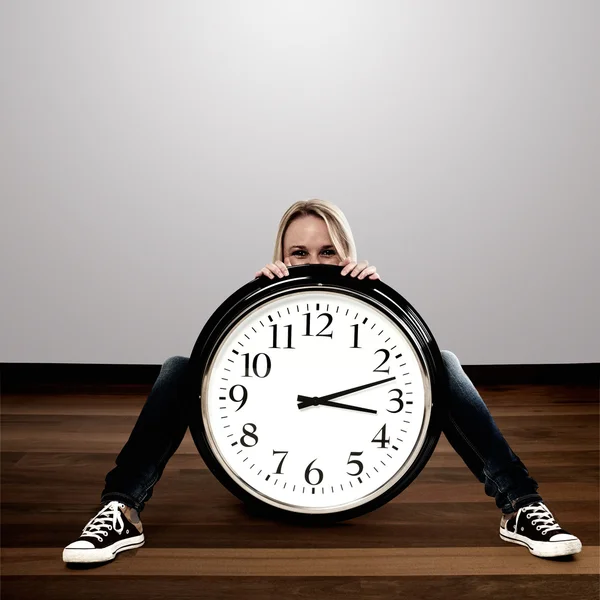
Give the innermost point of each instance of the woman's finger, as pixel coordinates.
(282, 267)
(349, 266)
(361, 266)
(275, 269)
(345, 261)
(266, 271)
(374, 276)
(263, 271)
(368, 271)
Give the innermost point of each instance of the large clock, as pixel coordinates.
(316, 396)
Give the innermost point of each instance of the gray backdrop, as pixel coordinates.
(148, 150)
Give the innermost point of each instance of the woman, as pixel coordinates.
(316, 232)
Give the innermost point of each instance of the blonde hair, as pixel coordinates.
(337, 226)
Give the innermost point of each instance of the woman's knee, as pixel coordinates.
(450, 360)
(175, 364)
(177, 360)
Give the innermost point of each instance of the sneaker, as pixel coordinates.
(534, 526)
(107, 534)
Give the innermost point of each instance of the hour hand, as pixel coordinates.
(305, 401)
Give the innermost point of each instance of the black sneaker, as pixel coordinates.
(107, 534)
(534, 526)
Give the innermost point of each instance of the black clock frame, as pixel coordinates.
(262, 289)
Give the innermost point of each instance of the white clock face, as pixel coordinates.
(279, 413)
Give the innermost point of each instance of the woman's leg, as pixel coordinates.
(473, 433)
(157, 434)
(155, 437)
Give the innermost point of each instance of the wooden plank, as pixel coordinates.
(304, 562)
(525, 400)
(443, 456)
(97, 587)
(55, 433)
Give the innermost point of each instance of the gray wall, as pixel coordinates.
(148, 150)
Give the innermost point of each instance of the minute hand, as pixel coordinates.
(355, 389)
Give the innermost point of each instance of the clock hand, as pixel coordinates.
(305, 402)
(354, 389)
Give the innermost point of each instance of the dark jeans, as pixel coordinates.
(469, 428)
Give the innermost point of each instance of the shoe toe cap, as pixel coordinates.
(80, 545)
(563, 537)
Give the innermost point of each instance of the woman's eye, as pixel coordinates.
(303, 253)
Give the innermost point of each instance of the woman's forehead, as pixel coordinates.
(307, 230)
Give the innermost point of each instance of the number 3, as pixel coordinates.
(400, 403)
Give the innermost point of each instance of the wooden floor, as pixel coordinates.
(438, 539)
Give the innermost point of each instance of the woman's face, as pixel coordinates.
(307, 242)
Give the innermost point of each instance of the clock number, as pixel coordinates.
(358, 464)
(289, 337)
(320, 334)
(255, 365)
(400, 403)
(387, 356)
(249, 433)
(355, 336)
(285, 453)
(242, 399)
(310, 469)
(382, 440)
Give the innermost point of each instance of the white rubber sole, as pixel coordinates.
(543, 549)
(93, 555)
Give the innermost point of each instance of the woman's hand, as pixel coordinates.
(277, 268)
(361, 269)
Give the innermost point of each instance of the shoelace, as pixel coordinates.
(110, 517)
(539, 513)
